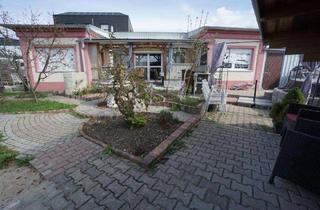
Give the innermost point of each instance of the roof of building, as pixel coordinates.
(292, 24)
(150, 35)
(92, 13)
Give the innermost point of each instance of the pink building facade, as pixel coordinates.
(164, 56)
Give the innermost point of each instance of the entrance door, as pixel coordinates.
(152, 65)
(272, 71)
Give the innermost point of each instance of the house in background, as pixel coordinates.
(8, 74)
(107, 21)
(164, 56)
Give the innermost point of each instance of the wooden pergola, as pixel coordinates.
(292, 24)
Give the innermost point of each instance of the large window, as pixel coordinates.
(151, 63)
(61, 59)
(238, 59)
(179, 55)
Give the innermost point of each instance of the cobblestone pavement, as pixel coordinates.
(220, 167)
(33, 133)
(63, 156)
(245, 117)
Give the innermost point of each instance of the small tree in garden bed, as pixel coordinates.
(129, 89)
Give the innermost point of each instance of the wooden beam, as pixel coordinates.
(311, 57)
(282, 9)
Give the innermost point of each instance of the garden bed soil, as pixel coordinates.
(136, 141)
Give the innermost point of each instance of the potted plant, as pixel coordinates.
(279, 110)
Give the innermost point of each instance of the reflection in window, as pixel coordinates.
(61, 59)
(238, 59)
(179, 55)
(141, 59)
(155, 59)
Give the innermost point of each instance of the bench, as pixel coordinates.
(213, 96)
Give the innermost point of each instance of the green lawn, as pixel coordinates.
(21, 94)
(14, 106)
(6, 155)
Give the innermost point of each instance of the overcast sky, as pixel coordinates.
(147, 15)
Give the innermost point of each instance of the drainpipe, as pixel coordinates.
(81, 47)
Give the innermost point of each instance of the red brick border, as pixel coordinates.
(157, 152)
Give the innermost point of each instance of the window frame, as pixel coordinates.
(148, 66)
(252, 58)
(37, 60)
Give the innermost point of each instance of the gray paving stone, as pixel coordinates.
(58, 203)
(133, 184)
(131, 198)
(233, 194)
(196, 203)
(252, 202)
(180, 206)
(148, 180)
(108, 169)
(111, 202)
(144, 205)
(165, 188)
(165, 202)
(79, 198)
(212, 187)
(93, 172)
(98, 192)
(181, 196)
(242, 188)
(148, 193)
(269, 197)
(204, 174)
(177, 182)
(200, 192)
(121, 177)
(116, 188)
(104, 180)
(217, 200)
(91, 205)
(87, 183)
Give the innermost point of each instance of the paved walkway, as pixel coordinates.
(220, 167)
(90, 108)
(245, 117)
(63, 156)
(33, 133)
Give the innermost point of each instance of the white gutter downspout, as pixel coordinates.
(263, 67)
(82, 60)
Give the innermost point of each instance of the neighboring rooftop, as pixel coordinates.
(108, 21)
(91, 13)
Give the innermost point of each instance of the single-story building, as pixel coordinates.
(163, 55)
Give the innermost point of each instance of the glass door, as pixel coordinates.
(151, 63)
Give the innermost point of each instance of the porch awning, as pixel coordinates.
(293, 24)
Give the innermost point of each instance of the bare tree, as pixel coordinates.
(39, 47)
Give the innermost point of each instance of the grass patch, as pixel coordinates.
(29, 95)
(107, 150)
(175, 107)
(24, 160)
(1, 137)
(177, 145)
(10, 94)
(22, 94)
(6, 155)
(190, 101)
(14, 106)
(78, 115)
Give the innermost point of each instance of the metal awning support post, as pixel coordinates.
(130, 54)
